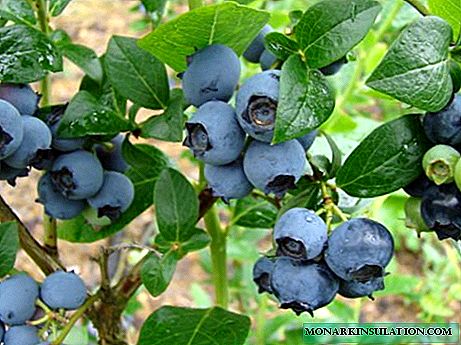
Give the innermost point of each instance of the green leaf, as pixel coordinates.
(450, 10)
(415, 70)
(169, 125)
(176, 206)
(155, 9)
(336, 156)
(199, 239)
(197, 327)
(306, 100)
(18, 11)
(280, 45)
(85, 58)
(136, 74)
(157, 272)
(228, 23)
(26, 55)
(386, 160)
(331, 28)
(9, 245)
(56, 7)
(254, 213)
(309, 198)
(86, 116)
(146, 163)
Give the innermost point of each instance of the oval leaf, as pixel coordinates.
(157, 272)
(85, 58)
(306, 100)
(228, 23)
(329, 29)
(280, 45)
(9, 245)
(187, 326)
(136, 74)
(386, 160)
(415, 70)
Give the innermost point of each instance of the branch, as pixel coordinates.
(30, 245)
(419, 7)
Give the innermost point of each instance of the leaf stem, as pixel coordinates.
(418, 6)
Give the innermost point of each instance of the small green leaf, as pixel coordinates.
(306, 100)
(309, 197)
(56, 7)
(450, 10)
(86, 116)
(18, 11)
(329, 29)
(386, 160)
(415, 70)
(136, 74)
(254, 213)
(176, 206)
(281, 45)
(85, 58)
(169, 125)
(26, 55)
(228, 23)
(197, 327)
(336, 156)
(199, 239)
(157, 272)
(9, 245)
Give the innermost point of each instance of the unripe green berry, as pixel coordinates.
(439, 163)
(413, 217)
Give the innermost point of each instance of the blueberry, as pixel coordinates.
(256, 47)
(262, 271)
(10, 174)
(17, 299)
(359, 249)
(334, 67)
(303, 286)
(56, 204)
(77, 175)
(274, 168)
(308, 139)
(37, 137)
(11, 129)
(65, 144)
(444, 127)
(417, 187)
(300, 234)
(256, 105)
(355, 289)
(63, 290)
(213, 74)
(228, 181)
(22, 335)
(111, 158)
(21, 96)
(214, 135)
(114, 197)
(441, 210)
(267, 60)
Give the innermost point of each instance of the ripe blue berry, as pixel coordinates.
(274, 168)
(262, 271)
(65, 144)
(417, 187)
(255, 49)
(212, 74)
(11, 129)
(21, 96)
(57, 205)
(355, 289)
(112, 158)
(214, 135)
(114, 197)
(37, 137)
(256, 105)
(359, 249)
(10, 174)
(228, 181)
(77, 175)
(300, 234)
(22, 335)
(308, 139)
(303, 286)
(267, 60)
(334, 67)
(63, 290)
(17, 299)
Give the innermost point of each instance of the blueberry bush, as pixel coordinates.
(320, 133)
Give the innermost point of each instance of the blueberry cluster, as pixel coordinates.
(217, 132)
(435, 202)
(311, 267)
(18, 303)
(74, 177)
